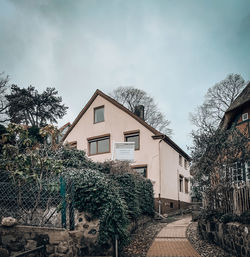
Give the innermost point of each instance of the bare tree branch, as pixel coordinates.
(131, 97)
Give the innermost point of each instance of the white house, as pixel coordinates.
(103, 121)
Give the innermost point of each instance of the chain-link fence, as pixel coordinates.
(43, 202)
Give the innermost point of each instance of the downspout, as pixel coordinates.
(159, 202)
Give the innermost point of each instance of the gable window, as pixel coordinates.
(186, 185)
(181, 183)
(244, 116)
(98, 145)
(180, 160)
(142, 170)
(98, 114)
(133, 136)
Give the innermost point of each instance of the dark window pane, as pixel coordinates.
(99, 114)
(134, 139)
(103, 145)
(142, 171)
(92, 147)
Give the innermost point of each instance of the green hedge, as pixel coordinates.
(109, 191)
(99, 196)
(137, 192)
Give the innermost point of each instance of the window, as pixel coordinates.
(181, 183)
(142, 170)
(99, 145)
(171, 205)
(239, 172)
(98, 114)
(185, 164)
(180, 160)
(248, 170)
(133, 136)
(244, 116)
(186, 185)
(72, 144)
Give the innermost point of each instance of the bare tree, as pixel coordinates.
(217, 100)
(131, 97)
(214, 149)
(4, 86)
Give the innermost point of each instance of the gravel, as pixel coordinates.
(203, 247)
(142, 239)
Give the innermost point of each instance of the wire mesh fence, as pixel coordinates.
(37, 202)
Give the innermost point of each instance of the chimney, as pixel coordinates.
(139, 111)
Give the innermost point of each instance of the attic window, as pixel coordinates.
(244, 116)
(98, 114)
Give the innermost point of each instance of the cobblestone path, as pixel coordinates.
(172, 241)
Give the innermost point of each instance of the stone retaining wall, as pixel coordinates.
(233, 237)
(59, 242)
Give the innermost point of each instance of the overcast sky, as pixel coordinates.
(174, 50)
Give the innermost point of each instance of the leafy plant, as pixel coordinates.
(229, 217)
(245, 217)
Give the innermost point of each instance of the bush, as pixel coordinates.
(229, 217)
(114, 195)
(210, 215)
(245, 217)
(99, 195)
(137, 192)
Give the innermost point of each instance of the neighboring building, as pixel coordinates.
(103, 121)
(238, 114)
(63, 130)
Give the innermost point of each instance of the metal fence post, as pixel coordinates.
(71, 205)
(63, 195)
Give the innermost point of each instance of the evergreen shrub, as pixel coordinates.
(112, 193)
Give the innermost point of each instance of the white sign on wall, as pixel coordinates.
(124, 151)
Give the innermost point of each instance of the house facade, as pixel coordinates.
(103, 122)
(238, 115)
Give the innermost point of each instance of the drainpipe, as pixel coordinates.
(159, 202)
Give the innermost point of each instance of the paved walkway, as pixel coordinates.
(172, 241)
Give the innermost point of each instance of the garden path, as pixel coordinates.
(172, 241)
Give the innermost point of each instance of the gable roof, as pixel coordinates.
(243, 98)
(157, 134)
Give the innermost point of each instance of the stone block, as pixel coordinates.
(42, 239)
(62, 247)
(30, 245)
(9, 222)
(50, 249)
(57, 237)
(7, 239)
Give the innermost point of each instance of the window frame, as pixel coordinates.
(96, 139)
(185, 164)
(131, 134)
(181, 179)
(96, 108)
(180, 160)
(134, 167)
(245, 115)
(186, 180)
